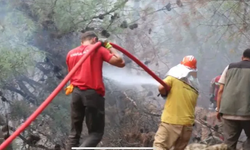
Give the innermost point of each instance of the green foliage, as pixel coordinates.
(16, 55)
(227, 5)
(73, 15)
(16, 27)
(14, 61)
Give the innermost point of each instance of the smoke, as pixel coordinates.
(180, 31)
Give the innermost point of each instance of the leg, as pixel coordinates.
(246, 126)
(184, 138)
(166, 136)
(95, 118)
(77, 116)
(232, 130)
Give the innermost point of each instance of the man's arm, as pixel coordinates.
(111, 55)
(162, 89)
(116, 59)
(221, 89)
(219, 95)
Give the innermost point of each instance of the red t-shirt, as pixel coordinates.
(89, 74)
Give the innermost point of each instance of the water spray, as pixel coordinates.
(64, 82)
(140, 64)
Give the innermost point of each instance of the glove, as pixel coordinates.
(69, 89)
(106, 44)
(163, 96)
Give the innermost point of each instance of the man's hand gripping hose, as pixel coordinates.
(64, 82)
(106, 44)
(163, 96)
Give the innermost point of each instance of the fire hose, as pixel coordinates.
(64, 82)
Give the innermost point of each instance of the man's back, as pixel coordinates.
(180, 105)
(89, 75)
(236, 95)
(234, 101)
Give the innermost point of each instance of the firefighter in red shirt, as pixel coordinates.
(213, 92)
(88, 90)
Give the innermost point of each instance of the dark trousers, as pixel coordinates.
(232, 130)
(90, 105)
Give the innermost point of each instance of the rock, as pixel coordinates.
(217, 147)
(196, 146)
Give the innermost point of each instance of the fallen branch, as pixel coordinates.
(204, 123)
(140, 109)
(130, 99)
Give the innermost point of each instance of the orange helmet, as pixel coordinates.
(189, 61)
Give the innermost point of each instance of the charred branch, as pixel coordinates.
(30, 81)
(40, 67)
(26, 90)
(31, 140)
(24, 95)
(140, 109)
